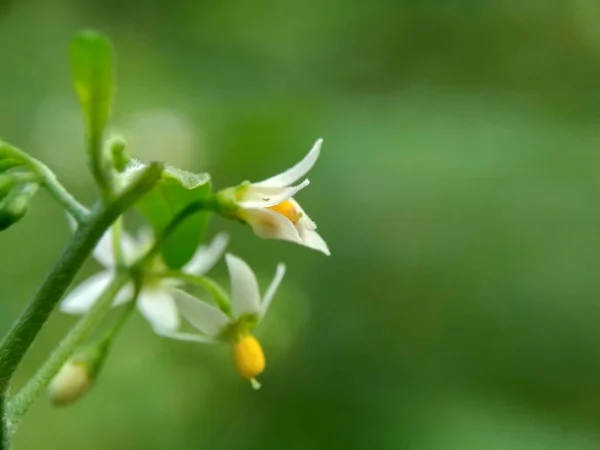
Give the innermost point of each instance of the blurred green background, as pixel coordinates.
(458, 190)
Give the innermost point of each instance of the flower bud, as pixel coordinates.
(71, 382)
(7, 182)
(120, 157)
(77, 375)
(14, 205)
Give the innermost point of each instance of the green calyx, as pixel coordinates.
(240, 328)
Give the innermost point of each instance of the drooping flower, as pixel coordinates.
(269, 208)
(247, 311)
(155, 300)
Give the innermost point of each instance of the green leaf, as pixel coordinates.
(92, 69)
(177, 189)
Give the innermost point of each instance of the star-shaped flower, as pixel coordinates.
(155, 300)
(247, 311)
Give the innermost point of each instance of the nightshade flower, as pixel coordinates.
(155, 299)
(247, 311)
(269, 208)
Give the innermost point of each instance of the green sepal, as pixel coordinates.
(176, 190)
(92, 70)
(93, 357)
(15, 205)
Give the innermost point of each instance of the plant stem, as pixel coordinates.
(79, 212)
(19, 405)
(211, 286)
(4, 432)
(117, 232)
(20, 337)
(49, 181)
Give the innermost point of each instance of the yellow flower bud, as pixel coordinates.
(248, 357)
(71, 382)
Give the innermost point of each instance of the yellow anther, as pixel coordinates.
(287, 209)
(248, 357)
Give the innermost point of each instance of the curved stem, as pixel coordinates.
(19, 405)
(20, 337)
(48, 181)
(211, 286)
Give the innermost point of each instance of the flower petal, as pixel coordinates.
(159, 309)
(268, 298)
(306, 230)
(268, 224)
(245, 296)
(312, 239)
(188, 337)
(207, 256)
(104, 252)
(293, 174)
(265, 196)
(206, 318)
(83, 297)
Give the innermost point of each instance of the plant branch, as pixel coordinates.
(19, 405)
(25, 329)
(48, 180)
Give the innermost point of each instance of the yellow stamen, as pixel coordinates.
(287, 209)
(248, 357)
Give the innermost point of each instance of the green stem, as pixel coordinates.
(4, 432)
(20, 337)
(125, 314)
(19, 405)
(210, 285)
(79, 212)
(99, 165)
(48, 181)
(208, 203)
(117, 231)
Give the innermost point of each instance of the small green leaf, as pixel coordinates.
(92, 68)
(177, 189)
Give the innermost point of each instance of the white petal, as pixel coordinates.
(269, 224)
(189, 337)
(125, 295)
(312, 239)
(81, 299)
(245, 296)
(293, 174)
(104, 252)
(206, 257)
(159, 309)
(206, 318)
(268, 298)
(306, 229)
(265, 196)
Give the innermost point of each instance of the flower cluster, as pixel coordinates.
(161, 294)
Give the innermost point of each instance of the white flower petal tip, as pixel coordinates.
(270, 293)
(296, 172)
(83, 297)
(206, 257)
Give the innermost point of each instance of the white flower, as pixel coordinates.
(155, 300)
(247, 310)
(268, 207)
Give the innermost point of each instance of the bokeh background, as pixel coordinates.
(458, 188)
